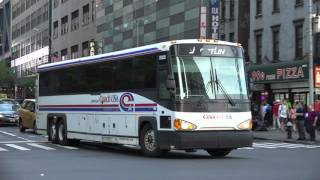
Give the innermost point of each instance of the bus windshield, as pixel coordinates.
(210, 77)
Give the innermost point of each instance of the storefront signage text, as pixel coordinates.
(215, 4)
(297, 72)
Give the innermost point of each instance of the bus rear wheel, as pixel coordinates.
(149, 143)
(218, 152)
(62, 134)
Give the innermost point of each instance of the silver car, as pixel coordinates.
(8, 113)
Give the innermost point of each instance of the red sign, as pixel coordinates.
(317, 76)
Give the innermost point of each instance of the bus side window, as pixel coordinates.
(163, 92)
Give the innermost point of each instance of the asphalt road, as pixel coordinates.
(26, 156)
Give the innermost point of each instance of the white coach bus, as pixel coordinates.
(184, 94)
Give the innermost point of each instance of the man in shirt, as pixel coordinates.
(311, 123)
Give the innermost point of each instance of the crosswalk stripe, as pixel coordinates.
(66, 147)
(7, 133)
(266, 145)
(15, 142)
(2, 149)
(17, 147)
(246, 148)
(40, 146)
(282, 145)
(311, 146)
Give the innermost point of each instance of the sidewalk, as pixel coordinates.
(278, 135)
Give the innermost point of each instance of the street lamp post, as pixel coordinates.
(310, 55)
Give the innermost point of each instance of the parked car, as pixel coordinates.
(27, 115)
(8, 113)
(9, 101)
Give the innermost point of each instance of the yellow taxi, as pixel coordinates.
(27, 115)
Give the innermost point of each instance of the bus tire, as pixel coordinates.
(62, 133)
(52, 132)
(148, 142)
(218, 152)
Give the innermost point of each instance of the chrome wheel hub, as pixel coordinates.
(149, 140)
(53, 131)
(61, 129)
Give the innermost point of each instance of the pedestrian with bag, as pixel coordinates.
(293, 116)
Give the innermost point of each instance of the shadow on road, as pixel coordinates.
(133, 151)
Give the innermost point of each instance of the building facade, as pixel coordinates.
(73, 29)
(124, 24)
(235, 22)
(5, 30)
(279, 47)
(29, 35)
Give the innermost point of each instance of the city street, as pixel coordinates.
(29, 156)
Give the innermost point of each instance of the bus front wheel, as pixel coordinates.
(218, 152)
(52, 134)
(149, 143)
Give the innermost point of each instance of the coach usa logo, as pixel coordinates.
(126, 104)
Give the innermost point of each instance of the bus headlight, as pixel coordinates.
(182, 125)
(245, 125)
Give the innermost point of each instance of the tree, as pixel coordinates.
(7, 77)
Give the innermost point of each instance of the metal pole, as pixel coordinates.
(310, 55)
(137, 24)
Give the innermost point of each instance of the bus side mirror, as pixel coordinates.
(171, 83)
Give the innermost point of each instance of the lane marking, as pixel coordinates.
(17, 147)
(40, 146)
(7, 133)
(13, 135)
(2, 149)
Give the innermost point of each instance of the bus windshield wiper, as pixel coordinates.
(239, 80)
(225, 93)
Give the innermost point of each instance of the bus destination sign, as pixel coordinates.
(208, 50)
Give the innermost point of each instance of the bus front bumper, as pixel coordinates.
(204, 139)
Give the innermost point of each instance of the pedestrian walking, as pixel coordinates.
(311, 123)
(275, 114)
(268, 115)
(293, 116)
(300, 119)
(283, 113)
(289, 129)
